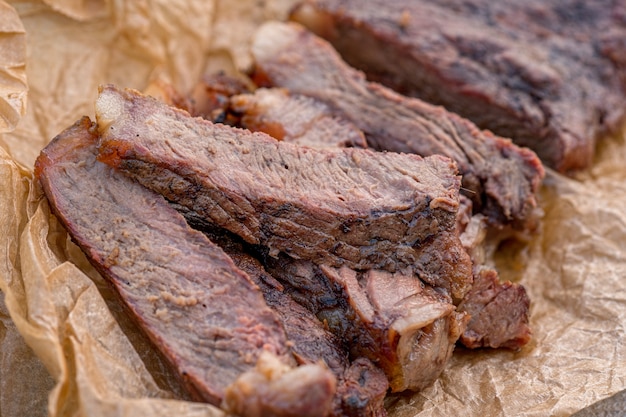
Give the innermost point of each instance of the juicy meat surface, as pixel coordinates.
(361, 386)
(539, 72)
(295, 118)
(202, 312)
(343, 206)
(406, 328)
(499, 313)
(500, 178)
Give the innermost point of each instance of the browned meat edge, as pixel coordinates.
(500, 178)
(361, 385)
(352, 207)
(203, 313)
(403, 326)
(536, 71)
(294, 118)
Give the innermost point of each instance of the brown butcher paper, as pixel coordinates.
(68, 349)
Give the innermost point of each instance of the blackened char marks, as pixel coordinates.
(361, 386)
(311, 341)
(394, 320)
(501, 178)
(539, 72)
(347, 206)
(202, 312)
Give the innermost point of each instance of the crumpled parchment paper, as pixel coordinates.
(68, 349)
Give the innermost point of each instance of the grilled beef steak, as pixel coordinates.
(499, 177)
(361, 386)
(294, 118)
(499, 313)
(202, 312)
(343, 206)
(402, 325)
(539, 72)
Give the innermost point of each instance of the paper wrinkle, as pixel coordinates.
(82, 10)
(90, 357)
(13, 84)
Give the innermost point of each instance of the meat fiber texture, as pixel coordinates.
(407, 328)
(309, 122)
(205, 315)
(78, 353)
(539, 72)
(500, 178)
(295, 118)
(362, 386)
(351, 207)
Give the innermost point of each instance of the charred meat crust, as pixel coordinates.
(537, 71)
(501, 178)
(405, 327)
(361, 385)
(175, 283)
(352, 207)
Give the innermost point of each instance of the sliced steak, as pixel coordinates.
(499, 313)
(361, 386)
(572, 24)
(406, 328)
(202, 312)
(539, 72)
(295, 118)
(343, 206)
(501, 178)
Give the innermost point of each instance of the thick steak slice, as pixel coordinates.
(406, 328)
(499, 177)
(343, 206)
(202, 312)
(539, 72)
(361, 386)
(295, 118)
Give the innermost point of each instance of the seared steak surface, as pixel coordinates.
(396, 321)
(369, 252)
(350, 206)
(500, 178)
(548, 74)
(202, 312)
(361, 386)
